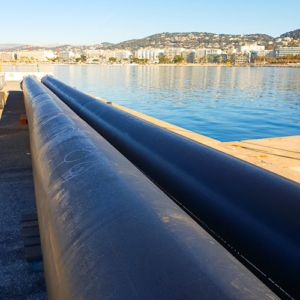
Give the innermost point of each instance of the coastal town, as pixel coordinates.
(166, 48)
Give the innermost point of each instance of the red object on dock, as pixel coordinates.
(23, 120)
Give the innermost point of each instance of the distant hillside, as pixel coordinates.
(187, 40)
(52, 47)
(48, 46)
(295, 34)
(191, 40)
(8, 46)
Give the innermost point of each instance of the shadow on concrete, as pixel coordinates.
(16, 198)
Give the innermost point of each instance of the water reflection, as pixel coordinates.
(223, 103)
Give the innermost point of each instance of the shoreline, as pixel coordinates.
(158, 65)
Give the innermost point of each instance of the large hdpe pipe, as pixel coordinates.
(252, 211)
(107, 231)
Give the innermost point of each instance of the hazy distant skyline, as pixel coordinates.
(92, 22)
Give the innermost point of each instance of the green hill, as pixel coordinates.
(191, 40)
(295, 34)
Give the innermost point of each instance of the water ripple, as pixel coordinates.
(224, 103)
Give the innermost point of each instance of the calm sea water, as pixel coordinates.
(227, 104)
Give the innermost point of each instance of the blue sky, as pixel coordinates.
(40, 22)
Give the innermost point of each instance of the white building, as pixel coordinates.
(253, 47)
(231, 51)
(207, 52)
(66, 55)
(189, 55)
(171, 52)
(35, 55)
(94, 53)
(107, 54)
(149, 53)
(288, 50)
(49, 54)
(7, 56)
(268, 53)
(242, 58)
(122, 54)
(288, 39)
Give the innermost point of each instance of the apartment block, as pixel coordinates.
(171, 52)
(240, 58)
(268, 53)
(288, 50)
(94, 53)
(37, 55)
(122, 54)
(7, 56)
(66, 55)
(189, 56)
(118, 54)
(149, 53)
(200, 53)
(253, 47)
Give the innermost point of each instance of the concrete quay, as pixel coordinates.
(16, 199)
(12, 86)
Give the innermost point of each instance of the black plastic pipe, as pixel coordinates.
(254, 212)
(107, 231)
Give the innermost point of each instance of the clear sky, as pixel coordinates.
(40, 22)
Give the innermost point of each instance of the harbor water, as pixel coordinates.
(224, 103)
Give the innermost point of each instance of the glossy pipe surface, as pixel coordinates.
(253, 211)
(107, 231)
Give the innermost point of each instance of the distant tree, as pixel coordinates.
(78, 59)
(163, 60)
(211, 58)
(95, 59)
(218, 58)
(125, 59)
(178, 59)
(270, 47)
(233, 57)
(112, 59)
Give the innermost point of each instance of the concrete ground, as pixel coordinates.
(279, 155)
(16, 198)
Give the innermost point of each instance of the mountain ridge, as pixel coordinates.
(295, 34)
(185, 40)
